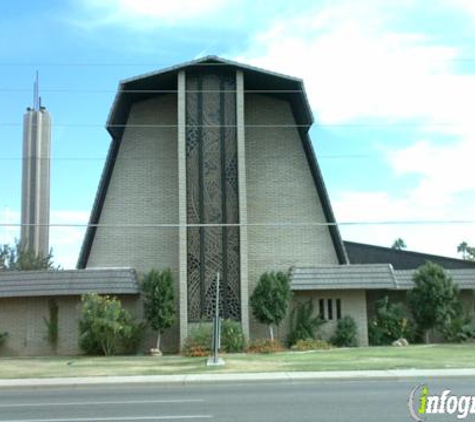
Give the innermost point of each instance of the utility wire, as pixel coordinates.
(266, 126)
(186, 65)
(320, 156)
(210, 225)
(156, 91)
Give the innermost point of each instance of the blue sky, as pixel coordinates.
(391, 84)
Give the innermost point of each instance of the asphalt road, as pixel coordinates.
(251, 401)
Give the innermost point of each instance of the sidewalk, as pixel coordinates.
(242, 377)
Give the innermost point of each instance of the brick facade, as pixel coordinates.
(280, 189)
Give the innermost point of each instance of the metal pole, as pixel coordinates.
(215, 360)
(217, 327)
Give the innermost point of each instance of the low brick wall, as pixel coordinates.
(24, 320)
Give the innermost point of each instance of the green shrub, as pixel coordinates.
(130, 342)
(311, 344)
(304, 325)
(434, 300)
(232, 337)
(3, 338)
(460, 329)
(52, 324)
(105, 326)
(345, 334)
(389, 324)
(198, 342)
(264, 346)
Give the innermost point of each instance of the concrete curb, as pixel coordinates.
(241, 377)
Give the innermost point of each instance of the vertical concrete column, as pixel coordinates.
(241, 156)
(36, 181)
(182, 248)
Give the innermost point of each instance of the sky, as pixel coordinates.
(391, 85)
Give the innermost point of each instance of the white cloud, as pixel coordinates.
(445, 170)
(354, 67)
(147, 14)
(357, 68)
(445, 191)
(465, 5)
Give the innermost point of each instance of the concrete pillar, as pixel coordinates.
(36, 182)
(182, 248)
(241, 156)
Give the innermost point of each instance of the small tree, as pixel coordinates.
(270, 299)
(434, 299)
(17, 259)
(462, 248)
(159, 299)
(399, 244)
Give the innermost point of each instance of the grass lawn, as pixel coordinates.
(421, 357)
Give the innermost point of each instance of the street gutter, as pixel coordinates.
(394, 374)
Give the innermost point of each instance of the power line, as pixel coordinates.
(266, 126)
(166, 66)
(156, 91)
(89, 64)
(211, 225)
(333, 156)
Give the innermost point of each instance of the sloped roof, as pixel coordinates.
(150, 84)
(255, 79)
(366, 277)
(360, 253)
(343, 277)
(115, 281)
(464, 278)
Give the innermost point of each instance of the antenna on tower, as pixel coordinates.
(36, 92)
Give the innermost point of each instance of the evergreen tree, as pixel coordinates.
(270, 299)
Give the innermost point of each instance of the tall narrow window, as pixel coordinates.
(212, 194)
(338, 309)
(330, 309)
(321, 308)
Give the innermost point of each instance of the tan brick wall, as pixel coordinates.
(23, 319)
(143, 190)
(280, 189)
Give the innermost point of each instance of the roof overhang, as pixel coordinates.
(165, 81)
(115, 281)
(366, 277)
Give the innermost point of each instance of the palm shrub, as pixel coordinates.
(304, 325)
(460, 329)
(105, 326)
(270, 299)
(159, 301)
(389, 324)
(345, 333)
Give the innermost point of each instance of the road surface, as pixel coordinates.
(241, 402)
